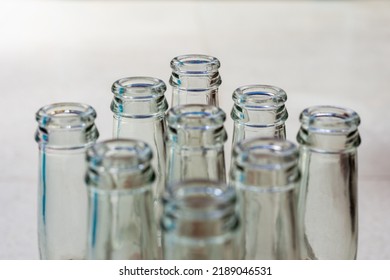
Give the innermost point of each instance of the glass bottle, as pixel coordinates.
(139, 107)
(259, 111)
(328, 140)
(121, 209)
(195, 144)
(266, 176)
(200, 221)
(65, 131)
(195, 80)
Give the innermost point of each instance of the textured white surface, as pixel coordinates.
(319, 52)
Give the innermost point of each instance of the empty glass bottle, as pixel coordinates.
(265, 174)
(139, 107)
(195, 144)
(195, 80)
(65, 131)
(328, 140)
(121, 210)
(259, 111)
(200, 222)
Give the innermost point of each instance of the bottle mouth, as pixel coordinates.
(259, 96)
(329, 120)
(195, 64)
(138, 88)
(66, 115)
(266, 154)
(119, 156)
(196, 117)
(200, 199)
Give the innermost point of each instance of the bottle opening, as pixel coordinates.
(259, 96)
(200, 199)
(119, 156)
(329, 119)
(65, 115)
(138, 88)
(194, 116)
(266, 153)
(195, 64)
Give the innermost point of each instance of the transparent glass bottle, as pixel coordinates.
(65, 131)
(195, 144)
(195, 80)
(139, 107)
(259, 111)
(121, 209)
(266, 176)
(200, 222)
(328, 140)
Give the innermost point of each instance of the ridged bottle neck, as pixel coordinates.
(139, 97)
(265, 165)
(259, 106)
(196, 126)
(66, 126)
(200, 209)
(195, 73)
(121, 165)
(329, 129)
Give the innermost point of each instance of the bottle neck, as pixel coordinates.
(259, 117)
(139, 108)
(265, 165)
(66, 126)
(200, 210)
(194, 139)
(139, 97)
(329, 129)
(120, 165)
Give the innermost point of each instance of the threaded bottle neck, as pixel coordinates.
(120, 165)
(259, 106)
(195, 72)
(200, 209)
(139, 97)
(265, 165)
(196, 125)
(66, 126)
(329, 129)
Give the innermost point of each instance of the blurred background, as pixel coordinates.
(319, 52)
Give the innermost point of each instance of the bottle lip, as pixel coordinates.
(195, 64)
(66, 115)
(200, 198)
(196, 117)
(329, 119)
(140, 87)
(265, 154)
(119, 156)
(259, 96)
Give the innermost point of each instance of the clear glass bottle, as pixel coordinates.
(122, 222)
(266, 176)
(200, 222)
(328, 140)
(65, 131)
(139, 107)
(195, 80)
(195, 144)
(259, 111)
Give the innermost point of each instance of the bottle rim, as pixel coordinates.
(259, 96)
(200, 199)
(65, 115)
(139, 87)
(119, 156)
(329, 119)
(195, 64)
(265, 153)
(196, 117)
